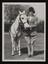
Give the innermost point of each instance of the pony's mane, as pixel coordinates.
(17, 19)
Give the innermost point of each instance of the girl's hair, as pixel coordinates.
(31, 9)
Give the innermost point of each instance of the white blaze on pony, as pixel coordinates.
(14, 31)
(24, 19)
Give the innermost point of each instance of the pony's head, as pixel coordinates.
(22, 16)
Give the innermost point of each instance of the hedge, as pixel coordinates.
(40, 27)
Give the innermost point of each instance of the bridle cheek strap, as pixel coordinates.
(24, 22)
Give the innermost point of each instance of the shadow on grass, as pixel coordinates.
(25, 51)
(38, 52)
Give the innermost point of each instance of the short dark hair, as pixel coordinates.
(31, 9)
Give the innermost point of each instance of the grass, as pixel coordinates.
(38, 49)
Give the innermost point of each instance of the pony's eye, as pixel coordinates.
(22, 18)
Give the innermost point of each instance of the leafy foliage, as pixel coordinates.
(11, 12)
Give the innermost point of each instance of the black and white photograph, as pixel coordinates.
(24, 31)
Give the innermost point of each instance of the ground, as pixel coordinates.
(38, 49)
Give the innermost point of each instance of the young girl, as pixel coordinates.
(32, 21)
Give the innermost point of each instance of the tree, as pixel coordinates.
(11, 12)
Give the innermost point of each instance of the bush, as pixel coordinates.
(7, 27)
(40, 27)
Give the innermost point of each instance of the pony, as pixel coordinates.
(22, 27)
(15, 30)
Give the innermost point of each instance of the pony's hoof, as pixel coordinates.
(12, 54)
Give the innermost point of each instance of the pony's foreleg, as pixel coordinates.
(13, 46)
(19, 47)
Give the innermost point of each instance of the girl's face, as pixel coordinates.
(30, 13)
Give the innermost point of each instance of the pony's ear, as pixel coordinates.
(24, 11)
(19, 12)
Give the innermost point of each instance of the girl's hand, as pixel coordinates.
(26, 25)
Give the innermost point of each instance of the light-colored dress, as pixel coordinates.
(32, 21)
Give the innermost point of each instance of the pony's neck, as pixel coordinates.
(17, 19)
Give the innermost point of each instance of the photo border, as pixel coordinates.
(3, 32)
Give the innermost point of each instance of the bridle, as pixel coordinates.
(21, 24)
(23, 30)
